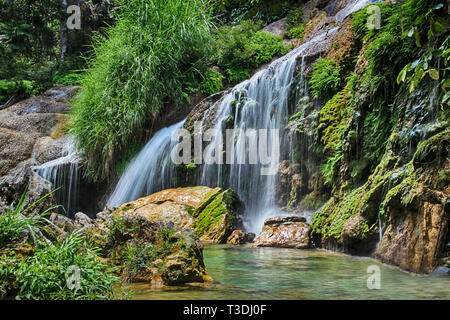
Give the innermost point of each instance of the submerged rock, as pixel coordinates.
(212, 213)
(285, 232)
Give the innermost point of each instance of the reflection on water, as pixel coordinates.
(270, 273)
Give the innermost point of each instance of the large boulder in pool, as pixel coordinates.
(285, 232)
(212, 213)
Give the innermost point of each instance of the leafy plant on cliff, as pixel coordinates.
(325, 79)
(139, 68)
(212, 82)
(295, 24)
(242, 48)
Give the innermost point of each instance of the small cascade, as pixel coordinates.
(64, 175)
(152, 170)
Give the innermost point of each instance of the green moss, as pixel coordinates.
(331, 219)
(242, 48)
(211, 213)
(428, 150)
(334, 120)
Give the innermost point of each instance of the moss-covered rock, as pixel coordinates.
(217, 216)
(154, 252)
(212, 213)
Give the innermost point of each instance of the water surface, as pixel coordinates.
(271, 273)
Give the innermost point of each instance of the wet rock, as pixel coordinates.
(276, 221)
(208, 105)
(277, 28)
(212, 213)
(26, 139)
(62, 222)
(82, 220)
(106, 215)
(240, 237)
(284, 232)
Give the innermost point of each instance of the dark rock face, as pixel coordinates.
(32, 133)
(285, 232)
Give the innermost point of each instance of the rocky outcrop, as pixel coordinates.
(33, 136)
(285, 232)
(415, 234)
(155, 252)
(212, 213)
(28, 130)
(240, 237)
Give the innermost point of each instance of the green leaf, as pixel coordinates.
(401, 76)
(438, 26)
(446, 97)
(434, 74)
(417, 37)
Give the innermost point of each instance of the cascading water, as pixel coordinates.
(151, 171)
(261, 102)
(64, 175)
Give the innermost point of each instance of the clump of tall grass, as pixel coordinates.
(138, 68)
(44, 271)
(47, 274)
(15, 220)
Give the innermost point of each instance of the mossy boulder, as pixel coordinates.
(212, 213)
(154, 252)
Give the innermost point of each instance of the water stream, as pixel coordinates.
(64, 175)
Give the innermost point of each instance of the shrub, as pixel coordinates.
(297, 32)
(139, 67)
(45, 274)
(212, 82)
(243, 48)
(137, 258)
(325, 80)
(295, 24)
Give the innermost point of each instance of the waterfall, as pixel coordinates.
(150, 171)
(261, 102)
(64, 175)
